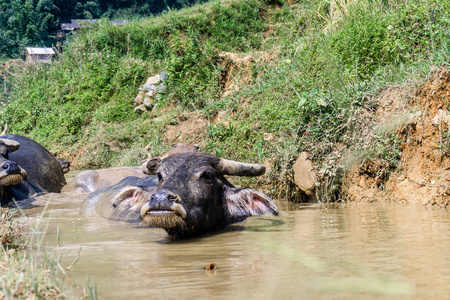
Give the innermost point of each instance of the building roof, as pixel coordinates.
(37, 51)
(119, 22)
(82, 23)
(67, 26)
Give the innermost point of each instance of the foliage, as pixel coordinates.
(373, 37)
(58, 101)
(23, 23)
(187, 66)
(26, 23)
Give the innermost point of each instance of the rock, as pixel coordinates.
(442, 116)
(148, 103)
(140, 109)
(305, 176)
(160, 88)
(154, 80)
(139, 99)
(148, 87)
(150, 92)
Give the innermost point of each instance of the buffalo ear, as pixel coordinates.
(243, 203)
(151, 166)
(124, 205)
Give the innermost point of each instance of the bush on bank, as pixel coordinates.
(328, 57)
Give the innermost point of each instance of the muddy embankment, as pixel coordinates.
(421, 119)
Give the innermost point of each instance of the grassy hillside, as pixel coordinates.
(314, 65)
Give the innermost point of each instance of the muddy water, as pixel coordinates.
(361, 251)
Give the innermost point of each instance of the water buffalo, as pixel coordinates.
(27, 169)
(186, 195)
(92, 180)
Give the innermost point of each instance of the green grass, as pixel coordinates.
(327, 56)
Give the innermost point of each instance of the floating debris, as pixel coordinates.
(211, 267)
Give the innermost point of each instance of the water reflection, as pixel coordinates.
(310, 252)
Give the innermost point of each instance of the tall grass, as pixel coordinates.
(27, 270)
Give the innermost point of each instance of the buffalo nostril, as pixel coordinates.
(9, 166)
(174, 197)
(165, 197)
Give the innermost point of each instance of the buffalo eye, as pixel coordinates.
(207, 176)
(160, 177)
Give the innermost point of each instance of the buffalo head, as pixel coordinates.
(10, 172)
(189, 194)
(43, 172)
(193, 195)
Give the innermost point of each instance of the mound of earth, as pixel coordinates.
(190, 129)
(423, 175)
(236, 71)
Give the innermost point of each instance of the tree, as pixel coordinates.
(22, 23)
(30, 22)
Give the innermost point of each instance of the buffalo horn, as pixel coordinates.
(236, 168)
(11, 145)
(151, 166)
(4, 130)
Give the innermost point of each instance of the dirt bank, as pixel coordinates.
(422, 124)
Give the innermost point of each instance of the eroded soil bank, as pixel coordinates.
(421, 120)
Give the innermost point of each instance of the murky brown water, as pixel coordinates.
(367, 251)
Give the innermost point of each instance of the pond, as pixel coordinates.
(316, 251)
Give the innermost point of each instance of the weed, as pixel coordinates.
(12, 234)
(28, 271)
